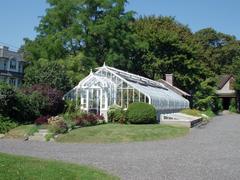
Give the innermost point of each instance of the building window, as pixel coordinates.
(20, 67)
(3, 79)
(12, 82)
(13, 64)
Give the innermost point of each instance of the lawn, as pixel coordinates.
(112, 133)
(19, 167)
(20, 131)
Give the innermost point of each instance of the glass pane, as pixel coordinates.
(103, 73)
(125, 85)
(136, 95)
(103, 100)
(125, 103)
(130, 96)
(141, 97)
(119, 97)
(109, 75)
(114, 79)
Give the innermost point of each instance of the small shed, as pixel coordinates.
(226, 90)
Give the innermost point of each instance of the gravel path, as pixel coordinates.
(210, 153)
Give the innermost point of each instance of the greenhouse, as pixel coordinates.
(108, 86)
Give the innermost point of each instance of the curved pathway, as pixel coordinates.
(206, 153)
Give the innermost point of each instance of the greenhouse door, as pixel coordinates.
(94, 101)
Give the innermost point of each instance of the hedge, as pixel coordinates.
(141, 113)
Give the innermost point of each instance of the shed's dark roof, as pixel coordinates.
(174, 88)
(223, 79)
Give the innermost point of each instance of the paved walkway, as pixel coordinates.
(210, 153)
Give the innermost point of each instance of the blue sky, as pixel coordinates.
(19, 17)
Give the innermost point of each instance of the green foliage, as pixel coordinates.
(76, 35)
(217, 51)
(18, 106)
(8, 100)
(32, 130)
(6, 124)
(141, 113)
(233, 105)
(209, 113)
(47, 72)
(206, 96)
(116, 114)
(192, 112)
(98, 29)
(29, 106)
(70, 106)
(49, 136)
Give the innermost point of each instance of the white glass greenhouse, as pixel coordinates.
(108, 86)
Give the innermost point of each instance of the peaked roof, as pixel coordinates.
(136, 78)
(223, 79)
(174, 88)
(146, 81)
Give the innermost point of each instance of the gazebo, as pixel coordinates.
(108, 86)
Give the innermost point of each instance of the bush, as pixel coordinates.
(57, 125)
(42, 120)
(141, 113)
(26, 105)
(116, 114)
(29, 107)
(32, 130)
(54, 103)
(86, 120)
(233, 105)
(8, 100)
(6, 124)
(70, 106)
(209, 113)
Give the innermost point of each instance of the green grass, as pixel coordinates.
(21, 131)
(19, 167)
(192, 112)
(111, 133)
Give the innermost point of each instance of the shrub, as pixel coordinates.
(49, 136)
(54, 102)
(141, 113)
(29, 107)
(100, 117)
(116, 114)
(8, 100)
(32, 130)
(6, 124)
(57, 125)
(42, 120)
(233, 105)
(209, 113)
(86, 120)
(70, 106)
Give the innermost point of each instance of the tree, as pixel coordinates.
(165, 46)
(99, 29)
(47, 72)
(217, 50)
(206, 98)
